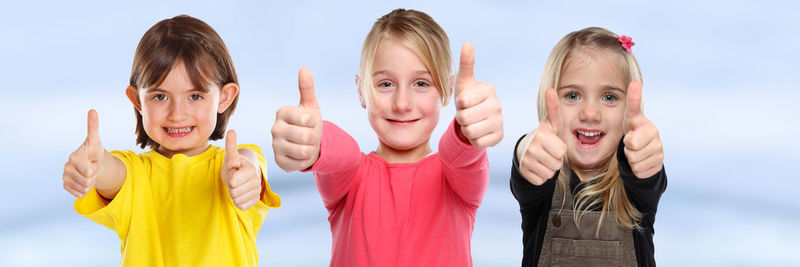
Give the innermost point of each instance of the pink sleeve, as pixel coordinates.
(337, 165)
(465, 167)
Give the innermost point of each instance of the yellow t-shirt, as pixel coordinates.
(177, 212)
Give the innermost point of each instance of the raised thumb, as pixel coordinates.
(551, 106)
(308, 99)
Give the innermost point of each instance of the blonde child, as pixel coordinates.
(184, 202)
(401, 205)
(588, 180)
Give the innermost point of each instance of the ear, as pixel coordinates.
(133, 96)
(227, 94)
(360, 96)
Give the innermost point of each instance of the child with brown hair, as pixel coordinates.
(184, 202)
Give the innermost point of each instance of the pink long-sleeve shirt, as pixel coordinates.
(400, 214)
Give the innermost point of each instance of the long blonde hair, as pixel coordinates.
(417, 31)
(606, 188)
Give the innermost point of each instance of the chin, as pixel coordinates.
(402, 146)
(591, 161)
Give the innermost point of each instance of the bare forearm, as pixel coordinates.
(111, 175)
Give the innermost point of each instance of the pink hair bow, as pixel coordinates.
(626, 42)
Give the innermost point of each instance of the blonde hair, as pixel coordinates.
(606, 188)
(417, 31)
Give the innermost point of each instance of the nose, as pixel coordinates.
(402, 100)
(590, 111)
(177, 111)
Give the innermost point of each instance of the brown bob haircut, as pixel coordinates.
(187, 40)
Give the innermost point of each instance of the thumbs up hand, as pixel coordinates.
(478, 111)
(541, 153)
(297, 131)
(642, 143)
(80, 171)
(240, 175)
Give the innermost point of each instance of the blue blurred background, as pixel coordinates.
(720, 80)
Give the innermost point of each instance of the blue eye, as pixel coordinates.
(572, 96)
(159, 97)
(196, 97)
(610, 98)
(385, 84)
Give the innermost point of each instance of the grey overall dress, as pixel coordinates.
(567, 245)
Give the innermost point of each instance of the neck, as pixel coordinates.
(588, 172)
(412, 155)
(583, 175)
(189, 153)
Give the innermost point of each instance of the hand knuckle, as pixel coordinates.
(306, 136)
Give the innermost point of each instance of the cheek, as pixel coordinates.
(208, 114)
(617, 132)
(430, 103)
(376, 110)
(150, 114)
(375, 115)
(616, 121)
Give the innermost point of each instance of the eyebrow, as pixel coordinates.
(568, 86)
(612, 88)
(605, 88)
(157, 89)
(386, 72)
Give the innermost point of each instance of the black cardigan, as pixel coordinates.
(534, 205)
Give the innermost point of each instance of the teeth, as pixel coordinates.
(181, 130)
(588, 133)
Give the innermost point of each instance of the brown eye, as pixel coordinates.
(159, 97)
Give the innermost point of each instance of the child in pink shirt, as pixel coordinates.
(401, 205)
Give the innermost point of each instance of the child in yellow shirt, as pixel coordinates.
(184, 202)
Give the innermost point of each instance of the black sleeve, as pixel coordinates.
(644, 194)
(534, 206)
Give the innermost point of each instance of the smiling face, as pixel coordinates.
(178, 116)
(407, 103)
(591, 92)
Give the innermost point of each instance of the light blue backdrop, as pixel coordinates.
(720, 82)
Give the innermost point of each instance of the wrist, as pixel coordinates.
(524, 143)
(460, 134)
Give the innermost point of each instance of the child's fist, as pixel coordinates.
(642, 143)
(242, 177)
(541, 153)
(80, 171)
(478, 110)
(297, 131)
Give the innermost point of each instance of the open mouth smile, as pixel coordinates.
(178, 132)
(588, 138)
